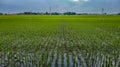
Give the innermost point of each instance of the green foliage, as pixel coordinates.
(118, 13)
(69, 13)
(1, 13)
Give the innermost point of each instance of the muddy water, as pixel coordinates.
(60, 61)
(56, 59)
(65, 60)
(53, 64)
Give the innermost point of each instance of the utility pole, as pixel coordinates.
(50, 11)
(102, 12)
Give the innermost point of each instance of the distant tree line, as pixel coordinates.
(52, 13)
(47, 13)
(69, 13)
(1, 13)
(34, 13)
(118, 13)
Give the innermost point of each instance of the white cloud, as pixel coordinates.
(86, 0)
(80, 0)
(75, 0)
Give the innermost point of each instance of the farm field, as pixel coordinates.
(60, 41)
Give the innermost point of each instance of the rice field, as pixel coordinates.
(60, 41)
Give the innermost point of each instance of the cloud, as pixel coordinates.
(80, 0)
(86, 0)
(75, 0)
(60, 5)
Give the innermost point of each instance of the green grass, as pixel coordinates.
(30, 40)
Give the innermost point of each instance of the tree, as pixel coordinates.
(55, 13)
(69, 13)
(1, 13)
(27, 13)
(46, 13)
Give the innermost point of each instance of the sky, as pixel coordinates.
(79, 6)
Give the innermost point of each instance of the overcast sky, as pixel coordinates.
(80, 6)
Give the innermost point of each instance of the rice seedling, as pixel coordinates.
(60, 41)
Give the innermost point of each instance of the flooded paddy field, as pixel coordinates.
(59, 41)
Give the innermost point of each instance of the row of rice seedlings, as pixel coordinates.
(71, 47)
(49, 60)
(111, 47)
(84, 62)
(97, 61)
(31, 57)
(113, 30)
(59, 60)
(68, 43)
(47, 44)
(90, 56)
(60, 41)
(53, 64)
(74, 60)
(12, 59)
(50, 50)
